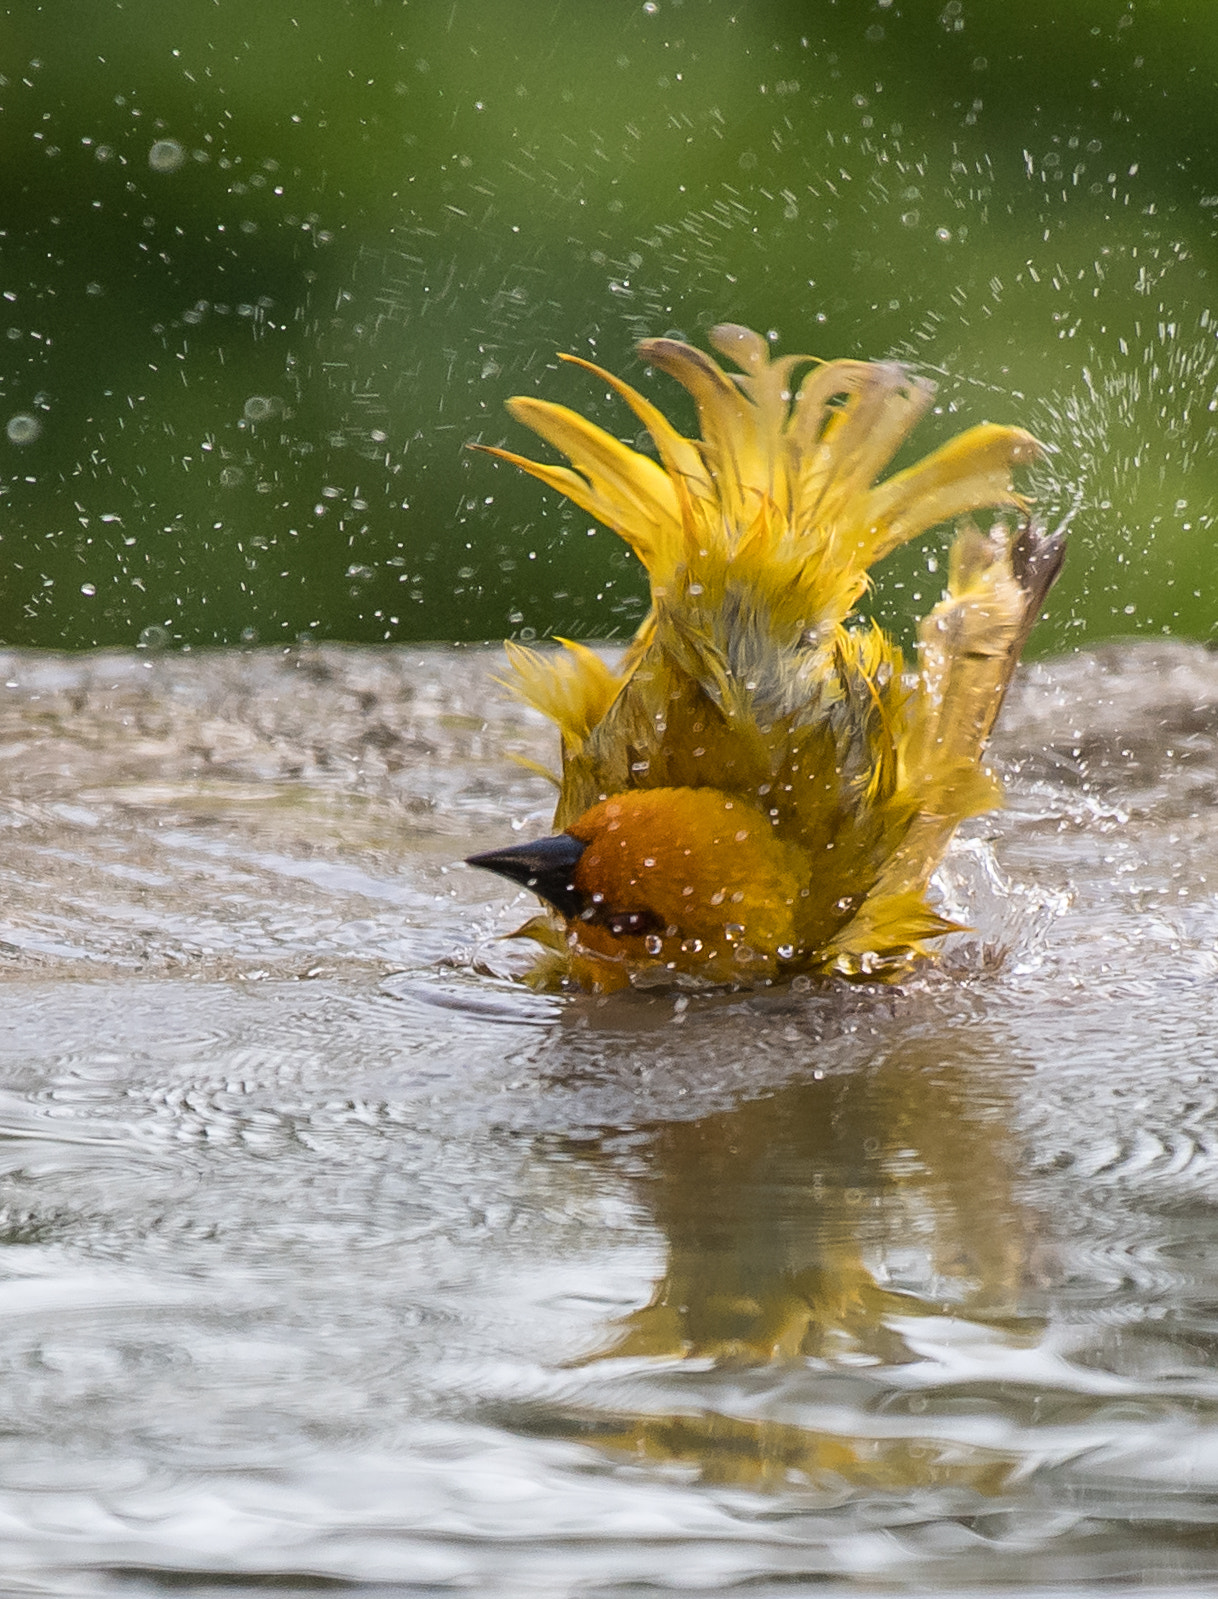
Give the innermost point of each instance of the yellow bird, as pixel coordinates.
(761, 788)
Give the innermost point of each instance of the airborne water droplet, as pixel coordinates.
(259, 407)
(166, 155)
(23, 428)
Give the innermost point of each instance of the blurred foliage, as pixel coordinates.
(267, 268)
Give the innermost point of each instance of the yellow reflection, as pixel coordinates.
(816, 1229)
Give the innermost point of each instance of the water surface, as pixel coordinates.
(331, 1255)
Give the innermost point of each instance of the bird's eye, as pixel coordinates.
(630, 924)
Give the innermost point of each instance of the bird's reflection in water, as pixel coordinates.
(810, 1235)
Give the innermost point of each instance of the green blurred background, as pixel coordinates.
(268, 267)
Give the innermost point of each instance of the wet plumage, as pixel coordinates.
(762, 788)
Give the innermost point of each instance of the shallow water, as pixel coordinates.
(331, 1256)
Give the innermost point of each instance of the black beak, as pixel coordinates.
(546, 866)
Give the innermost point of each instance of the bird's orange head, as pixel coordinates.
(681, 879)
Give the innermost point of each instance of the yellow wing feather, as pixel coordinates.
(574, 689)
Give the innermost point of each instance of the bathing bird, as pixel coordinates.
(761, 787)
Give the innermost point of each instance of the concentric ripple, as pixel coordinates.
(329, 1253)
